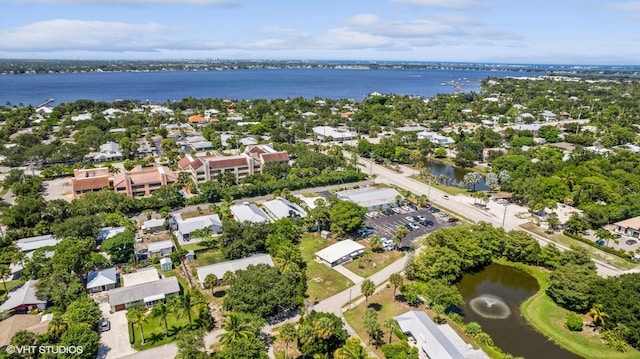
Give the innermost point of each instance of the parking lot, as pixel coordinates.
(385, 224)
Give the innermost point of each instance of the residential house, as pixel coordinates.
(280, 207)
(249, 212)
(23, 299)
(37, 324)
(144, 275)
(436, 138)
(160, 248)
(99, 281)
(549, 116)
(340, 252)
(436, 341)
(325, 133)
(145, 149)
(153, 225)
(109, 151)
(108, 232)
(148, 294)
(219, 269)
(185, 228)
(32, 243)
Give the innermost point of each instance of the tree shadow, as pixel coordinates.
(175, 329)
(376, 306)
(155, 338)
(220, 293)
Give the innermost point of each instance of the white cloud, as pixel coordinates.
(291, 32)
(450, 4)
(128, 2)
(625, 6)
(81, 34)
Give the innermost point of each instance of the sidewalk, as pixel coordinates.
(356, 279)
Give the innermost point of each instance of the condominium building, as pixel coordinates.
(140, 181)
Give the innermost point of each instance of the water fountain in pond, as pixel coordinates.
(490, 306)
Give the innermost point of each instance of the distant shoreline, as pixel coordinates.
(18, 67)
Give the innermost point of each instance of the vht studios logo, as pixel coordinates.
(42, 349)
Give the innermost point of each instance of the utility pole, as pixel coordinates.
(370, 164)
(504, 216)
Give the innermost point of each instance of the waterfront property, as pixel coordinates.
(219, 269)
(372, 198)
(436, 341)
(341, 252)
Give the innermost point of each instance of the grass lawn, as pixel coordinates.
(446, 189)
(203, 258)
(376, 262)
(560, 238)
(194, 247)
(322, 281)
(154, 332)
(204, 211)
(383, 302)
(548, 318)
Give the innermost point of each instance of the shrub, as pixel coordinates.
(473, 329)
(483, 338)
(573, 322)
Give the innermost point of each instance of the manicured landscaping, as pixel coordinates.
(154, 332)
(322, 281)
(548, 318)
(376, 261)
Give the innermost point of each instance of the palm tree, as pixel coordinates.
(324, 328)
(161, 311)
(229, 277)
(184, 304)
(5, 271)
(391, 325)
(367, 287)
(235, 327)
(396, 280)
(597, 314)
(306, 336)
(58, 325)
(286, 259)
(137, 316)
(401, 232)
(287, 334)
(210, 282)
(605, 235)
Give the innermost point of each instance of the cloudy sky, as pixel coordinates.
(513, 31)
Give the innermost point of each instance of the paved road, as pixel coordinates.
(463, 205)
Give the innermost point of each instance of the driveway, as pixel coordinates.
(114, 343)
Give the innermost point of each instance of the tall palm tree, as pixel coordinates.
(391, 325)
(5, 271)
(229, 277)
(235, 327)
(597, 314)
(161, 311)
(58, 325)
(367, 287)
(324, 328)
(306, 336)
(137, 316)
(185, 304)
(396, 280)
(401, 232)
(286, 259)
(287, 334)
(210, 282)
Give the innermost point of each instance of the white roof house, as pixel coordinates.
(189, 225)
(109, 232)
(343, 251)
(160, 247)
(219, 269)
(281, 208)
(145, 275)
(153, 224)
(102, 280)
(109, 151)
(372, 198)
(436, 138)
(23, 298)
(33, 243)
(249, 212)
(436, 341)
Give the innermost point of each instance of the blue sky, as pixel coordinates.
(512, 31)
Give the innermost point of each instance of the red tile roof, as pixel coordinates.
(275, 157)
(89, 183)
(227, 162)
(196, 119)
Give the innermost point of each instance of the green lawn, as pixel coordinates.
(203, 258)
(154, 332)
(548, 318)
(194, 247)
(376, 261)
(10, 285)
(322, 281)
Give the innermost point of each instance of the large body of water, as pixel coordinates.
(492, 299)
(158, 87)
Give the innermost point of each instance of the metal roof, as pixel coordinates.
(219, 269)
(141, 291)
(339, 250)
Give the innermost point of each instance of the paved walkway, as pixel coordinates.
(349, 274)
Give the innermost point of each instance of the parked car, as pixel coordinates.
(409, 218)
(434, 210)
(421, 218)
(445, 197)
(631, 242)
(364, 232)
(426, 206)
(104, 325)
(601, 242)
(452, 220)
(426, 223)
(413, 206)
(408, 226)
(414, 226)
(443, 215)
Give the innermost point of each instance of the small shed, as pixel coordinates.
(166, 264)
(325, 234)
(191, 255)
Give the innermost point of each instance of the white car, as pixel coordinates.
(445, 197)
